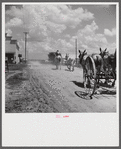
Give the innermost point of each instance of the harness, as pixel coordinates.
(83, 60)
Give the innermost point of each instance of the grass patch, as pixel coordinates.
(16, 79)
(17, 66)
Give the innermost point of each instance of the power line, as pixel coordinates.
(25, 43)
(76, 49)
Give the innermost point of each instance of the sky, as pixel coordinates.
(56, 26)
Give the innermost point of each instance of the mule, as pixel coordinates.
(70, 64)
(109, 63)
(105, 56)
(103, 52)
(58, 61)
(98, 61)
(89, 71)
(82, 60)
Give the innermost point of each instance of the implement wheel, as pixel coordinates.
(90, 86)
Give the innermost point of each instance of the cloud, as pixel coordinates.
(15, 12)
(43, 21)
(84, 46)
(83, 14)
(14, 22)
(53, 27)
(57, 16)
(62, 14)
(67, 36)
(57, 28)
(89, 39)
(110, 33)
(9, 32)
(89, 29)
(63, 45)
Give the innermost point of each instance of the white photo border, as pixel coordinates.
(80, 129)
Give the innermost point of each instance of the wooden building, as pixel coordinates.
(11, 49)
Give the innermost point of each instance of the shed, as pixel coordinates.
(11, 49)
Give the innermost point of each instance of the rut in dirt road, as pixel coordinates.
(61, 86)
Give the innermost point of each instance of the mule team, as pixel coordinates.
(92, 64)
(68, 61)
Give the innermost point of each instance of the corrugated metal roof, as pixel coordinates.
(10, 48)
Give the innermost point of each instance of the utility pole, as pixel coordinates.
(76, 49)
(25, 43)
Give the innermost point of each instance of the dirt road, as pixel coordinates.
(62, 85)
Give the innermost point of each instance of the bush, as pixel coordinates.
(51, 56)
(17, 66)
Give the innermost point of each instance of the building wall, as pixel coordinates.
(11, 49)
(9, 56)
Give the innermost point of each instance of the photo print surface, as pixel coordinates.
(61, 74)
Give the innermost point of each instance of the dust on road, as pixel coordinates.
(58, 88)
(62, 85)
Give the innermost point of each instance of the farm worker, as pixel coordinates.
(57, 53)
(66, 57)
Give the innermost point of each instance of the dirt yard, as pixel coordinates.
(42, 88)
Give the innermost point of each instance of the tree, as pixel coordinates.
(51, 56)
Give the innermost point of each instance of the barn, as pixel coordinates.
(11, 49)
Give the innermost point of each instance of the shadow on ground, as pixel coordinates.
(108, 92)
(54, 69)
(79, 84)
(82, 95)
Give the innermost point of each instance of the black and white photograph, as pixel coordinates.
(60, 58)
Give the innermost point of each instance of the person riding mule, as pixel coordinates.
(58, 59)
(70, 62)
(66, 57)
(57, 53)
